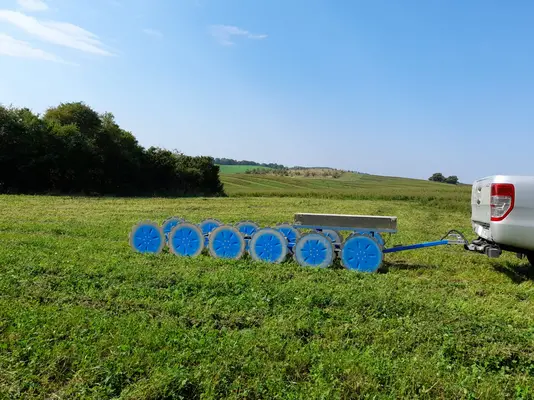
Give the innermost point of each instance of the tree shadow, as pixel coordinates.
(517, 273)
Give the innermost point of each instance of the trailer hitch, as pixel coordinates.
(456, 237)
(451, 237)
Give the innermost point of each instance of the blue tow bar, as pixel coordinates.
(417, 246)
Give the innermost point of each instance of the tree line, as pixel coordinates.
(72, 149)
(230, 161)
(439, 177)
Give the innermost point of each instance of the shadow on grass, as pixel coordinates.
(400, 265)
(516, 273)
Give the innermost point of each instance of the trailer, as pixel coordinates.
(312, 240)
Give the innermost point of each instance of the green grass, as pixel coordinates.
(350, 186)
(83, 316)
(238, 169)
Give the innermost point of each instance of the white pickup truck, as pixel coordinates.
(502, 215)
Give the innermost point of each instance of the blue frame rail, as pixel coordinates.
(343, 228)
(396, 249)
(458, 238)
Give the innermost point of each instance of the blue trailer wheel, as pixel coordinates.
(291, 234)
(226, 242)
(361, 253)
(314, 250)
(268, 245)
(147, 237)
(334, 236)
(247, 229)
(170, 223)
(207, 226)
(186, 240)
(379, 238)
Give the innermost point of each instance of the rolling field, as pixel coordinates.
(238, 169)
(350, 186)
(83, 316)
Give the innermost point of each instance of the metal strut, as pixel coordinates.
(455, 238)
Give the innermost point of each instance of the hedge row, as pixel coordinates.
(72, 149)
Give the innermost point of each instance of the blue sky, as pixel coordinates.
(402, 88)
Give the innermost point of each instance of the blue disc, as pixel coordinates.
(291, 234)
(379, 238)
(207, 226)
(374, 235)
(147, 237)
(226, 242)
(361, 253)
(186, 240)
(269, 245)
(314, 250)
(334, 236)
(170, 223)
(247, 228)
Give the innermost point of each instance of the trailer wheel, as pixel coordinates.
(169, 224)
(147, 237)
(268, 245)
(362, 253)
(226, 242)
(291, 234)
(314, 250)
(186, 240)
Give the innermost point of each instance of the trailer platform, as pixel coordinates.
(312, 240)
(346, 222)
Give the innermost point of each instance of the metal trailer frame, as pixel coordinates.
(363, 250)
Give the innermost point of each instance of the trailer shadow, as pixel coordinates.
(517, 273)
(403, 266)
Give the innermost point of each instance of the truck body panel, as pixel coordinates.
(516, 230)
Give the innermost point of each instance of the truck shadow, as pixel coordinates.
(517, 273)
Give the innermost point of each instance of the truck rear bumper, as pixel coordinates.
(482, 230)
(507, 236)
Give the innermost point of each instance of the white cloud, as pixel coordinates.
(223, 34)
(12, 47)
(33, 5)
(60, 33)
(152, 32)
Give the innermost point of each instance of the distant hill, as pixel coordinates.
(243, 169)
(349, 186)
(299, 167)
(231, 166)
(230, 161)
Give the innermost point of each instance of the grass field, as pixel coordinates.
(82, 316)
(350, 186)
(238, 169)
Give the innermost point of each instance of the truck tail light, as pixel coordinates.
(502, 200)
